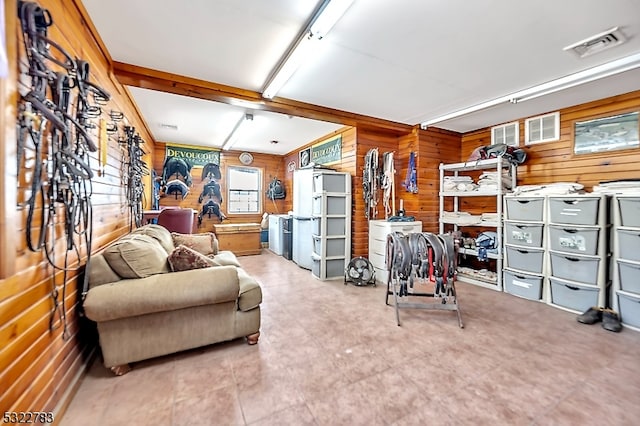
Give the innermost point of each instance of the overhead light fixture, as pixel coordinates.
(586, 76)
(323, 19)
(245, 121)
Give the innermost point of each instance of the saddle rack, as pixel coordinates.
(424, 257)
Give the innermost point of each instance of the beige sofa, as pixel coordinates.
(149, 299)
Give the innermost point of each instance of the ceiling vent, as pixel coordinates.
(597, 43)
(169, 126)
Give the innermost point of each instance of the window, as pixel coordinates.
(245, 189)
(507, 133)
(544, 128)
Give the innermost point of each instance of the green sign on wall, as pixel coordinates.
(195, 156)
(327, 151)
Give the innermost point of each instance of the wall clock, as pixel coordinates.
(246, 158)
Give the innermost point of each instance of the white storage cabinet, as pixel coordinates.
(578, 251)
(525, 256)
(626, 259)
(378, 231)
(331, 223)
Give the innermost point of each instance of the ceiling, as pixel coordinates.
(405, 61)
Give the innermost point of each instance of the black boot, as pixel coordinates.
(591, 316)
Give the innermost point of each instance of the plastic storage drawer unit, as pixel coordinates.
(523, 285)
(574, 239)
(526, 209)
(327, 268)
(523, 234)
(576, 268)
(336, 226)
(629, 243)
(572, 295)
(574, 210)
(525, 259)
(629, 211)
(333, 246)
(330, 182)
(330, 204)
(629, 305)
(629, 276)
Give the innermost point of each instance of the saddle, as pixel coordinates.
(174, 166)
(276, 190)
(211, 171)
(176, 186)
(210, 208)
(211, 189)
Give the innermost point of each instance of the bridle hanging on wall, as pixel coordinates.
(56, 113)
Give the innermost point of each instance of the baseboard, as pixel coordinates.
(61, 408)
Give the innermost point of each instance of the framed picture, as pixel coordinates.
(305, 157)
(606, 134)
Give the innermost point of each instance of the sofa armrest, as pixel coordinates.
(162, 292)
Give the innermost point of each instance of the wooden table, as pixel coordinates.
(240, 238)
(149, 215)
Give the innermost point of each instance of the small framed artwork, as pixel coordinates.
(305, 157)
(606, 134)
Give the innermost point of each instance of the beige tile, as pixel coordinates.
(298, 415)
(215, 407)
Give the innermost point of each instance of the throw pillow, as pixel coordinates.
(158, 232)
(202, 243)
(136, 256)
(183, 258)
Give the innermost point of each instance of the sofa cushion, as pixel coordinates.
(183, 258)
(250, 291)
(225, 258)
(160, 233)
(205, 243)
(136, 256)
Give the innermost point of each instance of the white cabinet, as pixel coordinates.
(525, 258)
(276, 233)
(456, 184)
(578, 252)
(378, 231)
(626, 259)
(330, 223)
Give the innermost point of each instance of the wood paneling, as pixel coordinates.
(555, 162)
(37, 366)
(270, 165)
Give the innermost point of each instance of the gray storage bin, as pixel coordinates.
(574, 239)
(524, 258)
(574, 210)
(571, 295)
(629, 306)
(336, 226)
(576, 268)
(523, 285)
(523, 234)
(327, 268)
(527, 209)
(329, 204)
(629, 244)
(629, 276)
(331, 182)
(334, 246)
(629, 211)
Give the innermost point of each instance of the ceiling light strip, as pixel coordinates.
(589, 75)
(234, 135)
(323, 19)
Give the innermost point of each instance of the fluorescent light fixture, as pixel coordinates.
(592, 74)
(325, 17)
(298, 55)
(245, 121)
(330, 13)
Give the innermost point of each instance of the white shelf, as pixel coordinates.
(471, 252)
(457, 170)
(489, 163)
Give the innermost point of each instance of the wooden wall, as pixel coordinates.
(37, 366)
(555, 162)
(270, 165)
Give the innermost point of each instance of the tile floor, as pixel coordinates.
(332, 354)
